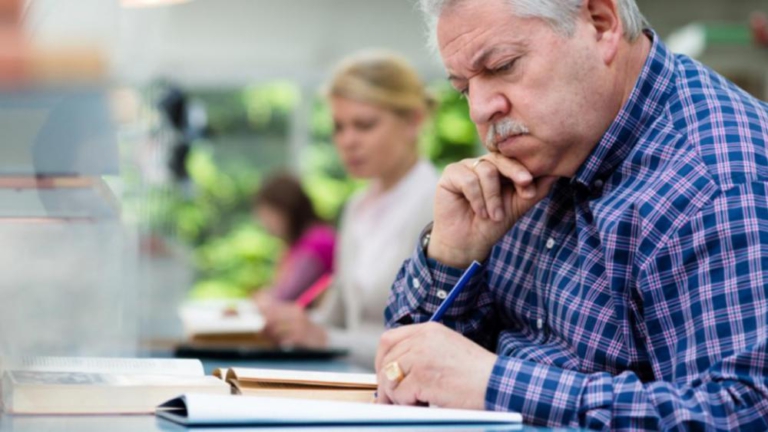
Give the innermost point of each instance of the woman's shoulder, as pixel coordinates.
(425, 174)
(423, 180)
(319, 232)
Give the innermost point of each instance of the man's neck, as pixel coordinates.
(637, 55)
(629, 68)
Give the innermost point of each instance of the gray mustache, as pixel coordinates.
(502, 130)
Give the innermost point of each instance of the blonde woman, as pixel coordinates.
(379, 105)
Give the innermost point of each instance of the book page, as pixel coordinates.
(38, 378)
(306, 392)
(333, 379)
(176, 367)
(217, 409)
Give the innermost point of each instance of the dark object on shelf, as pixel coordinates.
(257, 353)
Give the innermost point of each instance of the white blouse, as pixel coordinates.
(378, 230)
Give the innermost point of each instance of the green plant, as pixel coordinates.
(451, 135)
(232, 254)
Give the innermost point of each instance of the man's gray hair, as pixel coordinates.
(561, 14)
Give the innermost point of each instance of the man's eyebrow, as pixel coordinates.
(477, 60)
(482, 56)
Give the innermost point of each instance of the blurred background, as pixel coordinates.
(135, 133)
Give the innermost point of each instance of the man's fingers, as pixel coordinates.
(490, 183)
(408, 391)
(393, 373)
(516, 172)
(382, 398)
(461, 180)
(469, 184)
(511, 169)
(391, 338)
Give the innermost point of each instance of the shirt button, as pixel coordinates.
(442, 294)
(598, 184)
(416, 283)
(539, 323)
(550, 243)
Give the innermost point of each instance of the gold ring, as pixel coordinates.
(477, 162)
(393, 372)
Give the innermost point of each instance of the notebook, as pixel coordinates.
(221, 410)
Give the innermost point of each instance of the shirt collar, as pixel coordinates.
(644, 105)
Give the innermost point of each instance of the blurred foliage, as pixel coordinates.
(451, 135)
(232, 254)
(256, 109)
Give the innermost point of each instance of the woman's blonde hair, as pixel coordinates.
(383, 79)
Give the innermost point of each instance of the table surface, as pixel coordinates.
(141, 423)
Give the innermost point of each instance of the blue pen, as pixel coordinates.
(455, 291)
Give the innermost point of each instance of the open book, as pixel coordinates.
(217, 410)
(300, 384)
(59, 385)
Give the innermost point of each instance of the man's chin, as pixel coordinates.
(536, 168)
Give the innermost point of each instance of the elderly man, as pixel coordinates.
(621, 217)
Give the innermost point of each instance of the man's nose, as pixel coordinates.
(486, 102)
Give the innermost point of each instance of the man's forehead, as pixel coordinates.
(467, 38)
(476, 56)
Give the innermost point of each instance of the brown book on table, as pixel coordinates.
(300, 384)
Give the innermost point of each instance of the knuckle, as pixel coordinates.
(386, 342)
(488, 172)
(453, 168)
(470, 184)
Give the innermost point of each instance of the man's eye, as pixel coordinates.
(506, 67)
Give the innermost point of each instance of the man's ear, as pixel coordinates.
(603, 16)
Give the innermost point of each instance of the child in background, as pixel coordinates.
(286, 212)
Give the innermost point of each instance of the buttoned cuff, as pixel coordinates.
(429, 283)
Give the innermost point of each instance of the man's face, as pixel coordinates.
(535, 96)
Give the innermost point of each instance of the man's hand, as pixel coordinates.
(289, 325)
(440, 367)
(477, 203)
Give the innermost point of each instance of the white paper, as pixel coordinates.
(107, 365)
(205, 409)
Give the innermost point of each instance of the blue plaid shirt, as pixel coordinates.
(634, 296)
